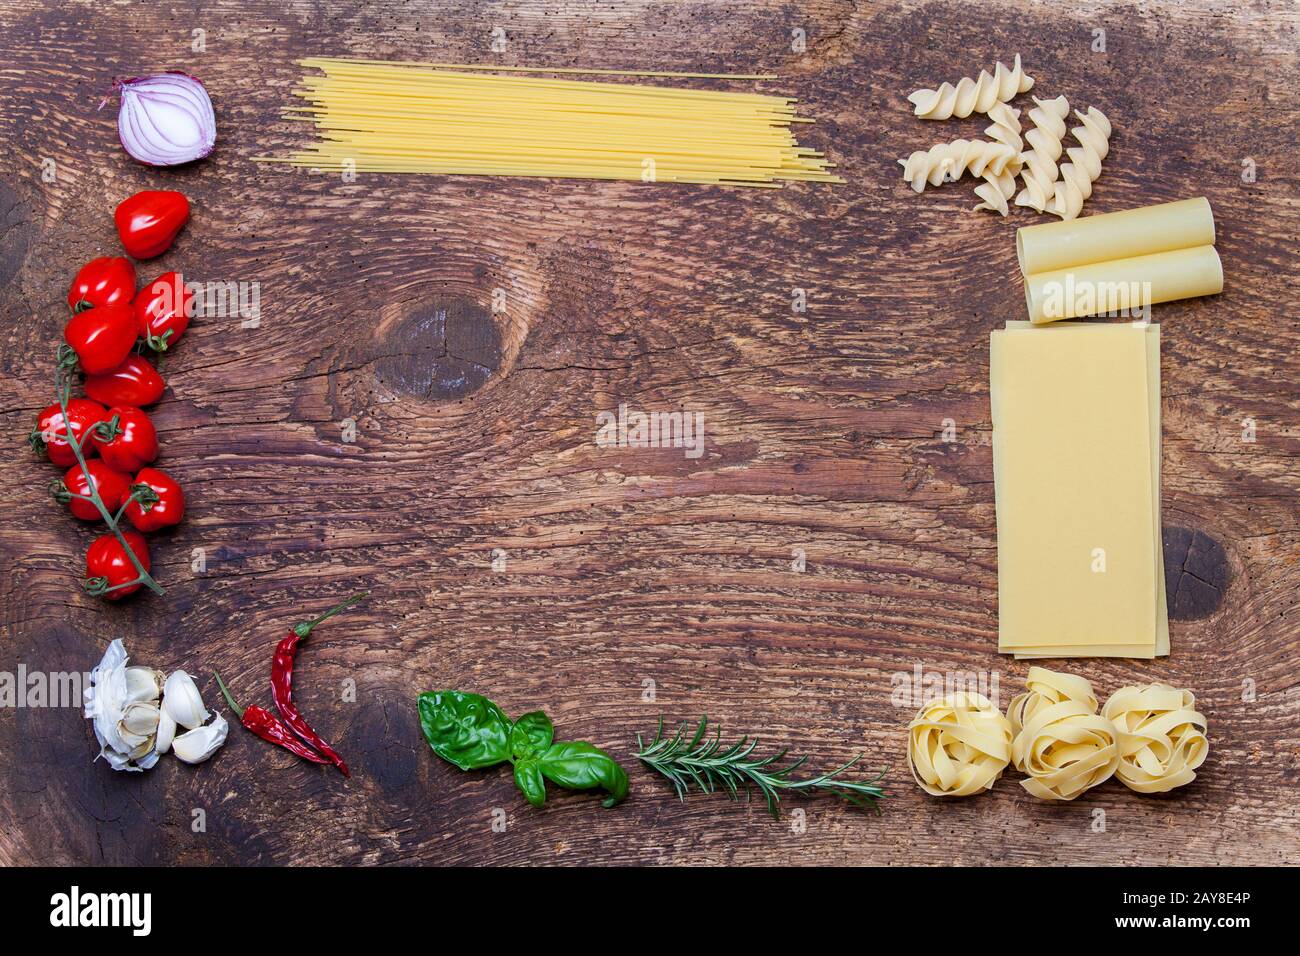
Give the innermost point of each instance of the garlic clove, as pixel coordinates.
(138, 720)
(122, 703)
(198, 745)
(143, 684)
(166, 732)
(182, 701)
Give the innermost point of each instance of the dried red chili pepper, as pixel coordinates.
(282, 683)
(268, 726)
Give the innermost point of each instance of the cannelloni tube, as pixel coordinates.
(1120, 285)
(1115, 235)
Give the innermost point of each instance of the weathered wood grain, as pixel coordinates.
(475, 436)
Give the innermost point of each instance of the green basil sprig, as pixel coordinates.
(470, 731)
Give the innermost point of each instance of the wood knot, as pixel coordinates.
(441, 349)
(1196, 573)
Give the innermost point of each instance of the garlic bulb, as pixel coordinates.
(198, 745)
(182, 701)
(136, 712)
(106, 700)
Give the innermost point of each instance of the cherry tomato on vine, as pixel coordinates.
(108, 565)
(135, 382)
(163, 310)
(168, 510)
(108, 280)
(148, 221)
(126, 438)
(113, 487)
(102, 337)
(50, 435)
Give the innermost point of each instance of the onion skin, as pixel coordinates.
(155, 110)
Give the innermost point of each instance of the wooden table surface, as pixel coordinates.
(631, 583)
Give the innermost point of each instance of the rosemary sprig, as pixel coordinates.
(702, 759)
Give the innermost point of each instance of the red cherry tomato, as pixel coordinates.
(163, 310)
(168, 510)
(106, 559)
(113, 487)
(148, 221)
(102, 337)
(50, 435)
(135, 382)
(108, 280)
(131, 441)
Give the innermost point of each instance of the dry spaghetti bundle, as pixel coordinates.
(375, 116)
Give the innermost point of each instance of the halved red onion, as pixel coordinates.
(166, 119)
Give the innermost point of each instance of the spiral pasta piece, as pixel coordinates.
(1045, 689)
(1065, 749)
(950, 160)
(958, 746)
(997, 189)
(1162, 738)
(1048, 117)
(1078, 175)
(972, 96)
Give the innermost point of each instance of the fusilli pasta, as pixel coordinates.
(1048, 117)
(1078, 175)
(972, 96)
(951, 160)
(998, 188)
(996, 191)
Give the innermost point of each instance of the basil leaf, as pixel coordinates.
(579, 765)
(528, 778)
(465, 729)
(531, 735)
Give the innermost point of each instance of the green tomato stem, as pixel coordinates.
(65, 388)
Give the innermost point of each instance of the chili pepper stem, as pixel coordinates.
(305, 628)
(225, 691)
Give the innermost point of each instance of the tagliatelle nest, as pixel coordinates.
(1161, 736)
(958, 746)
(1066, 749)
(1045, 689)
